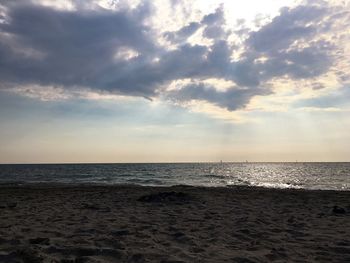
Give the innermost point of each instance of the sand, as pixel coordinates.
(46, 223)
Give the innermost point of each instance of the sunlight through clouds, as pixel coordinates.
(216, 71)
(266, 52)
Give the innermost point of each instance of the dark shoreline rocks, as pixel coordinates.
(166, 197)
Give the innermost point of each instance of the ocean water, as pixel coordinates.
(325, 176)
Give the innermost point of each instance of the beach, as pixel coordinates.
(92, 223)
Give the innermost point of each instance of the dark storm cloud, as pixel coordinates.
(183, 33)
(77, 48)
(214, 24)
(41, 45)
(283, 30)
(274, 42)
(231, 99)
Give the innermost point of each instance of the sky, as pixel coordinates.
(174, 81)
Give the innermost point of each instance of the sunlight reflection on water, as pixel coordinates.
(273, 175)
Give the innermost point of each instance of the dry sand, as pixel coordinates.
(181, 224)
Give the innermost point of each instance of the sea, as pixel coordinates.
(313, 176)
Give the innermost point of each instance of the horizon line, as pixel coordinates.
(178, 162)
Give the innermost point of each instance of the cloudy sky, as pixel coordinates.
(176, 80)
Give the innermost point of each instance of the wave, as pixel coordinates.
(141, 181)
(277, 185)
(214, 176)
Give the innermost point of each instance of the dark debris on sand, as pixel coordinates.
(166, 197)
(10, 205)
(29, 256)
(39, 240)
(338, 210)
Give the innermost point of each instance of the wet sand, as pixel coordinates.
(45, 223)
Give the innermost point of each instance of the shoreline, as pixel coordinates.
(129, 223)
(34, 185)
